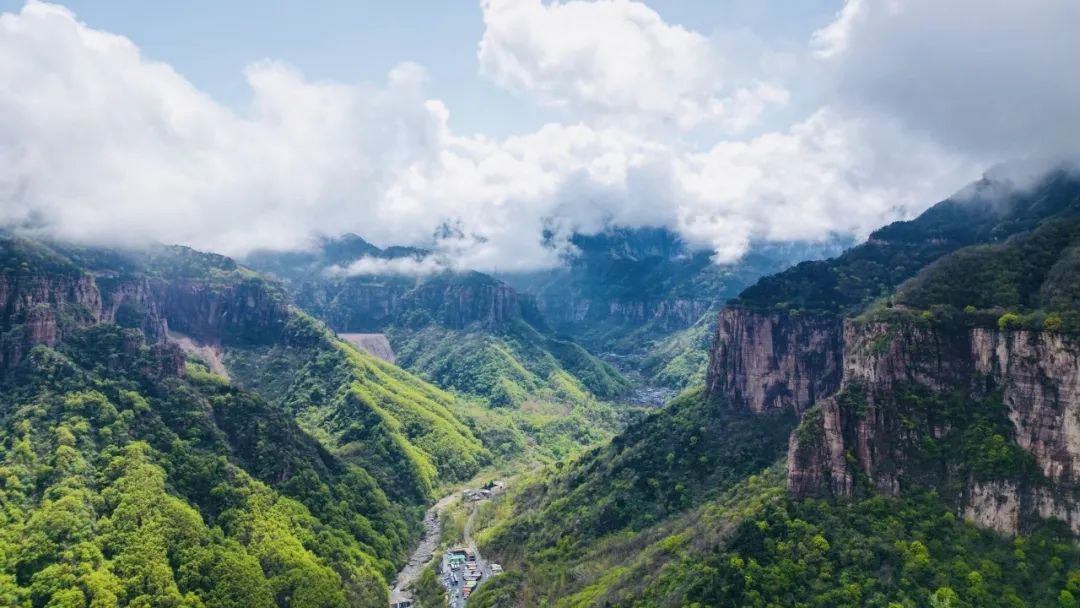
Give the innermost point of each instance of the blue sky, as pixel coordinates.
(211, 41)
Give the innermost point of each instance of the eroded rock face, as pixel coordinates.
(454, 301)
(1036, 375)
(771, 361)
(41, 310)
(1039, 375)
(214, 314)
(45, 309)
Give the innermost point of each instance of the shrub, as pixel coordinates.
(1009, 320)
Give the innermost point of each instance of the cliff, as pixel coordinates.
(44, 305)
(990, 419)
(452, 300)
(774, 361)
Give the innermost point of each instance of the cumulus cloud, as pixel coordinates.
(101, 143)
(616, 59)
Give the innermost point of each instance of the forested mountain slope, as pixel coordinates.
(133, 475)
(932, 422)
(526, 392)
(465, 331)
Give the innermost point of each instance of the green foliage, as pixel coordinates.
(679, 360)
(507, 366)
(657, 468)
(1031, 275)
(977, 276)
(1009, 320)
(976, 439)
(370, 412)
(878, 553)
(427, 590)
(503, 590)
(123, 487)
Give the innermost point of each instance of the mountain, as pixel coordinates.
(269, 464)
(468, 333)
(644, 297)
(929, 379)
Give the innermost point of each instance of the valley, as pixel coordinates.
(837, 432)
(540, 304)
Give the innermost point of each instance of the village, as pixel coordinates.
(462, 568)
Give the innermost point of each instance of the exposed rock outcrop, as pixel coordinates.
(453, 300)
(373, 344)
(771, 361)
(667, 314)
(43, 309)
(214, 313)
(876, 427)
(37, 309)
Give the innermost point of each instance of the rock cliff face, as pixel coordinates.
(45, 309)
(453, 300)
(771, 361)
(354, 306)
(459, 303)
(877, 432)
(41, 310)
(246, 311)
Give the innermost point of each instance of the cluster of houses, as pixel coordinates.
(462, 570)
(484, 492)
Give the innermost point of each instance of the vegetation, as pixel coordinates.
(679, 360)
(507, 366)
(561, 518)
(849, 282)
(123, 487)
(367, 410)
(879, 552)
(1024, 282)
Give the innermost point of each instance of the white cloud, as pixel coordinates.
(406, 266)
(617, 59)
(101, 143)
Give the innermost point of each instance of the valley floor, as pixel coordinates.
(420, 556)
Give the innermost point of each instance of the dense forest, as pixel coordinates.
(126, 485)
(137, 474)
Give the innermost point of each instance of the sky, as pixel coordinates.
(492, 131)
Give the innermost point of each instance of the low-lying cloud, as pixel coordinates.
(100, 143)
(403, 266)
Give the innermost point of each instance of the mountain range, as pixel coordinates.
(890, 424)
